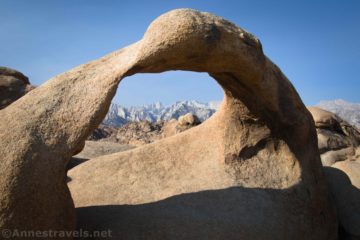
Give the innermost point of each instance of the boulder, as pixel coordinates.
(325, 119)
(188, 119)
(337, 139)
(138, 133)
(331, 157)
(338, 144)
(13, 85)
(352, 170)
(330, 140)
(251, 171)
(344, 183)
(184, 123)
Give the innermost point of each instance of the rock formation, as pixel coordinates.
(343, 180)
(337, 139)
(139, 133)
(338, 144)
(93, 149)
(13, 85)
(144, 132)
(106, 140)
(188, 119)
(102, 132)
(252, 171)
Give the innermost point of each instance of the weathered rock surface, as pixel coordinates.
(138, 133)
(352, 170)
(338, 144)
(337, 139)
(252, 171)
(188, 119)
(93, 149)
(13, 85)
(40, 131)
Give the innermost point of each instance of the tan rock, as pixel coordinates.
(352, 170)
(93, 149)
(188, 119)
(252, 171)
(138, 133)
(323, 118)
(184, 123)
(337, 139)
(170, 128)
(357, 154)
(38, 134)
(331, 157)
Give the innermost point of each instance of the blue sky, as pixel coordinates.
(315, 43)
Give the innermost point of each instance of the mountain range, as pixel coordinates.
(119, 115)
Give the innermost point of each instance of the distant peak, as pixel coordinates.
(119, 115)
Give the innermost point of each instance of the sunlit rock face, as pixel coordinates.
(251, 171)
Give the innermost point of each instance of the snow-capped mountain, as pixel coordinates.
(350, 112)
(119, 115)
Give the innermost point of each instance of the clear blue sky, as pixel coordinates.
(315, 43)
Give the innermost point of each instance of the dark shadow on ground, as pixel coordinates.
(225, 214)
(74, 161)
(347, 201)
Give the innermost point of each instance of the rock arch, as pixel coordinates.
(261, 145)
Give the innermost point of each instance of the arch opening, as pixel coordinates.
(150, 107)
(168, 88)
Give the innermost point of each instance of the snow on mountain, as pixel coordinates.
(119, 115)
(350, 112)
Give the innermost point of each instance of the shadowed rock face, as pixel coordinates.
(254, 165)
(344, 183)
(13, 85)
